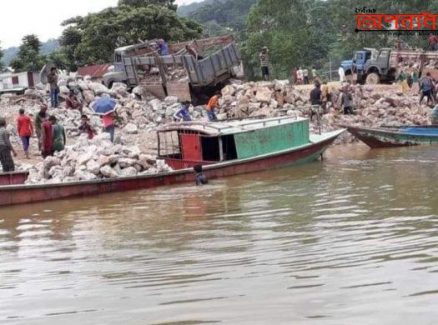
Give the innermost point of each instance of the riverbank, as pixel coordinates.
(139, 114)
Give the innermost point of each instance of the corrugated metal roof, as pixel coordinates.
(94, 71)
(230, 127)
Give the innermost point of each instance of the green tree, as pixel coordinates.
(29, 57)
(93, 38)
(142, 3)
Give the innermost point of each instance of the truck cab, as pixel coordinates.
(357, 64)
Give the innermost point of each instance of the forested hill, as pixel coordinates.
(220, 16)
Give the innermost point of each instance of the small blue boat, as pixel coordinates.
(396, 136)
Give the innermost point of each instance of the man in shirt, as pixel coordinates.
(183, 113)
(213, 103)
(306, 76)
(86, 128)
(39, 119)
(52, 78)
(25, 130)
(426, 86)
(315, 100)
(6, 148)
(108, 125)
(264, 62)
(59, 138)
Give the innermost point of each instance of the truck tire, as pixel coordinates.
(372, 79)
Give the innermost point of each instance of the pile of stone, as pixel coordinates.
(94, 159)
(375, 106)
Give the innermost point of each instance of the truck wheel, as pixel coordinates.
(372, 79)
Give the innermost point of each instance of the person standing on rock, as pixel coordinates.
(39, 119)
(426, 88)
(347, 101)
(108, 122)
(59, 138)
(6, 148)
(300, 76)
(86, 128)
(25, 130)
(306, 76)
(264, 63)
(315, 100)
(341, 73)
(52, 78)
(46, 138)
(183, 113)
(213, 103)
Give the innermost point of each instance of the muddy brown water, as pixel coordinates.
(351, 240)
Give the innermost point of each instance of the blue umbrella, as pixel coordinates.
(104, 106)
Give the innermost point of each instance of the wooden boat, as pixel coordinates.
(396, 136)
(224, 149)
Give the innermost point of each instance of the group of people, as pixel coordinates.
(323, 94)
(183, 113)
(301, 76)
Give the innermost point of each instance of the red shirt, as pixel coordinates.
(213, 103)
(24, 126)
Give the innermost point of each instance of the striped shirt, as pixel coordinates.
(264, 59)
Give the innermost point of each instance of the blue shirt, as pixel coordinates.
(164, 49)
(183, 113)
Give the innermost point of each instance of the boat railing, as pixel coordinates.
(208, 125)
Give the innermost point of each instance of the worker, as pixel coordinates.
(59, 138)
(25, 130)
(300, 76)
(108, 122)
(213, 103)
(183, 113)
(306, 76)
(341, 73)
(46, 138)
(163, 47)
(72, 101)
(39, 119)
(86, 128)
(326, 96)
(193, 52)
(315, 100)
(264, 62)
(347, 101)
(200, 178)
(426, 87)
(314, 74)
(434, 115)
(52, 79)
(293, 76)
(433, 42)
(6, 148)
(402, 80)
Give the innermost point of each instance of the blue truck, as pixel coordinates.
(371, 66)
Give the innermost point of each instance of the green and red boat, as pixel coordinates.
(396, 136)
(222, 148)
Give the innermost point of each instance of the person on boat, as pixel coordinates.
(213, 103)
(86, 128)
(6, 148)
(183, 113)
(59, 137)
(46, 138)
(347, 101)
(315, 100)
(72, 101)
(426, 88)
(108, 122)
(200, 178)
(39, 119)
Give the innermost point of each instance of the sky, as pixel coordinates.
(43, 17)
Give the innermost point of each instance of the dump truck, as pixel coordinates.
(372, 66)
(181, 73)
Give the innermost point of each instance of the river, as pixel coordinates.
(351, 240)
